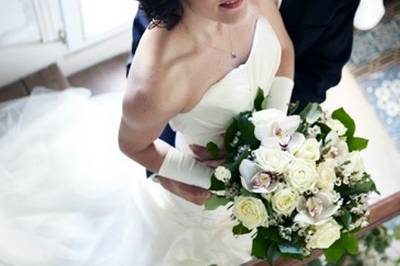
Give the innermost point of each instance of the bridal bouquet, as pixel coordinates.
(296, 183)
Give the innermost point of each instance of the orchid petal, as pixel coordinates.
(296, 142)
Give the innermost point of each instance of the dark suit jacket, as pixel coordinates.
(322, 34)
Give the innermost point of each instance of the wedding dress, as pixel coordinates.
(68, 196)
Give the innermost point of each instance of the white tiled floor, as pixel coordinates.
(381, 158)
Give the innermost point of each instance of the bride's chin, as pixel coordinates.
(233, 16)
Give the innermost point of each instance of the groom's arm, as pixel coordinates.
(320, 67)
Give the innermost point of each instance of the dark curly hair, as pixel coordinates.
(162, 13)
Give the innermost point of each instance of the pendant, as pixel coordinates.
(233, 55)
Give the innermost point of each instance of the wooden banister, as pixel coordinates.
(380, 212)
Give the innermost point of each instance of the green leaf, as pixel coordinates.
(240, 229)
(259, 99)
(345, 219)
(351, 243)
(246, 129)
(259, 247)
(215, 201)
(335, 252)
(271, 233)
(230, 135)
(311, 113)
(293, 107)
(364, 186)
(234, 165)
(347, 121)
(213, 150)
(216, 184)
(357, 144)
(347, 242)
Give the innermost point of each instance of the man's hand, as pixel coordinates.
(190, 193)
(203, 156)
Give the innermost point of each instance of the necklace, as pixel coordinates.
(232, 54)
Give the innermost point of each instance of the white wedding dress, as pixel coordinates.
(68, 196)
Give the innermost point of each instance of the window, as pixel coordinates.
(18, 23)
(90, 21)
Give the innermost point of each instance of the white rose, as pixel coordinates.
(284, 201)
(250, 211)
(325, 235)
(326, 176)
(272, 160)
(336, 126)
(222, 174)
(354, 166)
(302, 175)
(310, 150)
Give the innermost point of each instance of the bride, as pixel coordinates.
(68, 196)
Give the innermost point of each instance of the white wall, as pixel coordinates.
(21, 60)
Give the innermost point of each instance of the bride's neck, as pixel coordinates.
(200, 27)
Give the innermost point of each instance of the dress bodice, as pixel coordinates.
(232, 94)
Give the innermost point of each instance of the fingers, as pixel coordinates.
(202, 153)
(213, 163)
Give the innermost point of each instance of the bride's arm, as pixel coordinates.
(281, 89)
(150, 102)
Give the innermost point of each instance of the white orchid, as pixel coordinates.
(257, 180)
(338, 149)
(273, 128)
(316, 209)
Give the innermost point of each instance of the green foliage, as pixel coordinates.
(293, 107)
(311, 113)
(233, 165)
(270, 233)
(213, 150)
(259, 99)
(230, 135)
(364, 186)
(240, 229)
(216, 184)
(346, 243)
(357, 144)
(354, 143)
(347, 121)
(345, 218)
(215, 201)
(259, 247)
(246, 129)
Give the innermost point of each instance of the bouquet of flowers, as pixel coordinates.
(295, 182)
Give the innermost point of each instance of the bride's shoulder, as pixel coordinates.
(158, 68)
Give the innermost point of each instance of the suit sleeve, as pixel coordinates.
(140, 24)
(320, 68)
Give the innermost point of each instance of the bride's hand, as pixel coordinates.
(190, 193)
(203, 156)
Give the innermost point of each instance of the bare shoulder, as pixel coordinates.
(157, 80)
